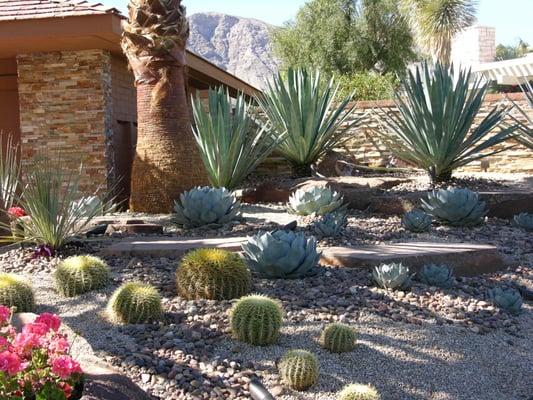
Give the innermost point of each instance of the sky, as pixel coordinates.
(512, 18)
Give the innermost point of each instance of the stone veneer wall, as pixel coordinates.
(66, 106)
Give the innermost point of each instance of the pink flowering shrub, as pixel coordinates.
(35, 363)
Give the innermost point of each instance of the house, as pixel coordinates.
(65, 85)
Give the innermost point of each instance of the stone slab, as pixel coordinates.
(135, 229)
(467, 259)
(170, 247)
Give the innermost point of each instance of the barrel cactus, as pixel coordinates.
(16, 292)
(524, 221)
(299, 369)
(81, 274)
(256, 320)
(338, 338)
(356, 391)
(203, 206)
(417, 221)
(436, 275)
(330, 225)
(392, 276)
(455, 207)
(314, 200)
(135, 303)
(281, 254)
(506, 299)
(213, 274)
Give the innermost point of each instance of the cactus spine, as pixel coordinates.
(338, 338)
(299, 369)
(357, 391)
(135, 303)
(81, 274)
(16, 292)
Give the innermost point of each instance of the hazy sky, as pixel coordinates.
(512, 18)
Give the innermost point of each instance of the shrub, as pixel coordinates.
(37, 359)
(213, 274)
(135, 303)
(417, 221)
(367, 86)
(256, 320)
(456, 207)
(81, 274)
(231, 142)
(338, 338)
(524, 221)
(356, 391)
(299, 369)
(330, 225)
(392, 276)
(206, 206)
(314, 200)
(436, 275)
(16, 292)
(506, 299)
(281, 254)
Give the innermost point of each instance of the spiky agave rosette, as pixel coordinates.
(392, 276)
(314, 200)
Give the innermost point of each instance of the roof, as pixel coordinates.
(508, 72)
(33, 9)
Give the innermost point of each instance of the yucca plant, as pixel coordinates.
(9, 174)
(303, 107)
(434, 129)
(231, 141)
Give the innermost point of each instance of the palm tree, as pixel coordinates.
(167, 161)
(436, 22)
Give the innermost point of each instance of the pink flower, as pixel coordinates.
(52, 321)
(4, 344)
(64, 366)
(16, 212)
(25, 342)
(10, 363)
(5, 313)
(36, 328)
(59, 345)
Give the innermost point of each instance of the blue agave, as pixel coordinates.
(330, 225)
(524, 221)
(417, 221)
(392, 276)
(436, 275)
(507, 299)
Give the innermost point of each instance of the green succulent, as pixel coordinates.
(392, 276)
(330, 225)
(16, 292)
(417, 221)
(256, 320)
(436, 275)
(281, 254)
(135, 303)
(338, 338)
(81, 274)
(455, 207)
(507, 299)
(356, 391)
(524, 221)
(213, 274)
(314, 200)
(203, 206)
(299, 369)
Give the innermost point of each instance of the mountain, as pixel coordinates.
(240, 46)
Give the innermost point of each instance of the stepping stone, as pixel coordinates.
(171, 247)
(135, 229)
(467, 259)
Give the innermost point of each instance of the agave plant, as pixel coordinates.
(526, 129)
(206, 206)
(89, 205)
(507, 299)
(392, 276)
(434, 128)
(455, 206)
(436, 275)
(330, 225)
(232, 143)
(524, 221)
(281, 254)
(417, 221)
(314, 200)
(303, 106)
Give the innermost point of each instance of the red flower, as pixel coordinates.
(5, 313)
(64, 366)
(52, 321)
(16, 212)
(10, 363)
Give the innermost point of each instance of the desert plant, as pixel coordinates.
(9, 174)
(89, 205)
(80, 274)
(135, 303)
(232, 143)
(392, 276)
(524, 221)
(338, 338)
(303, 106)
(526, 129)
(330, 225)
(357, 391)
(434, 128)
(213, 274)
(455, 207)
(281, 254)
(206, 206)
(256, 320)
(314, 200)
(436, 275)
(417, 221)
(299, 369)
(16, 292)
(506, 298)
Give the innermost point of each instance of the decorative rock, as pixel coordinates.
(135, 229)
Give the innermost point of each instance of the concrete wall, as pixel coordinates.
(474, 46)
